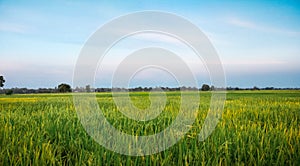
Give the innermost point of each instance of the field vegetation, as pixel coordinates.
(256, 128)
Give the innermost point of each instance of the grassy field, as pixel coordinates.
(257, 127)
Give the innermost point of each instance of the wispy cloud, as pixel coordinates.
(242, 23)
(13, 27)
(157, 37)
(255, 62)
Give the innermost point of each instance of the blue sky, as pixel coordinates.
(257, 41)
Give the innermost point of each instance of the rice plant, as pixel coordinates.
(256, 128)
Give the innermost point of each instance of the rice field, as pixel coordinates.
(256, 128)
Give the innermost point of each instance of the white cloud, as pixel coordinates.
(258, 27)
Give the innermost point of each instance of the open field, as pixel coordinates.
(257, 127)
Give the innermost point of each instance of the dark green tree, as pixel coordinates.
(255, 88)
(1, 81)
(205, 87)
(9, 92)
(64, 88)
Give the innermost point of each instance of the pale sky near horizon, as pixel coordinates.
(257, 41)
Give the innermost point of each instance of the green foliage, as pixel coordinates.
(64, 88)
(2, 80)
(257, 128)
(9, 92)
(205, 87)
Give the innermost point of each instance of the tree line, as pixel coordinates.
(65, 88)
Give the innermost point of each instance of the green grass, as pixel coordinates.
(257, 127)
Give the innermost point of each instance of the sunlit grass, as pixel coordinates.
(257, 127)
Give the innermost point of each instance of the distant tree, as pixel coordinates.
(1, 81)
(269, 88)
(64, 88)
(183, 88)
(88, 88)
(9, 92)
(255, 88)
(212, 87)
(205, 87)
(139, 89)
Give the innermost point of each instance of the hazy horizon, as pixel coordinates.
(257, 41)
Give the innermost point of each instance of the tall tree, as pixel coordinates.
(64, 88)
(2, 81)
(205, 87)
